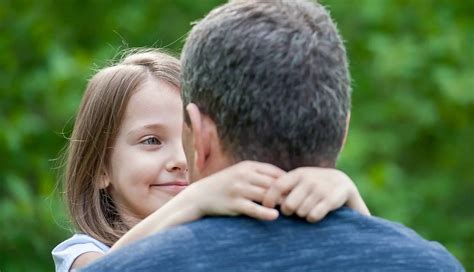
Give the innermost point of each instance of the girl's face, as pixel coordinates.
(147, 165)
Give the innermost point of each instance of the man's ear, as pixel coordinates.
(199, 134)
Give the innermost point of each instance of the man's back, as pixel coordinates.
(344, 241)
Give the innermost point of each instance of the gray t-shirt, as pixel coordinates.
(343, 241)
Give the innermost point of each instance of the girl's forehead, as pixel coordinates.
(153, 102)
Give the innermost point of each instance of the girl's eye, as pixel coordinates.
(151, 141)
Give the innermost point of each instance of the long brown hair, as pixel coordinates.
(100, 114)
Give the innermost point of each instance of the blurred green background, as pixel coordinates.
(411, 139)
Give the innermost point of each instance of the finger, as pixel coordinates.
(261, 180)
(252, 186)
(253, 193)
(280, 187)
(261, 167)
(248, 174)
(309, 202)
(281, 200)
(296, 197)
(356, 203)
(318, 212)
(269, 170)
(255, 210)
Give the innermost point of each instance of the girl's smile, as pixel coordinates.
(173, 186)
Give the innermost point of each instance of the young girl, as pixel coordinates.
(126, 162)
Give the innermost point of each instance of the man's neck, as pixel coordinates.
(215, 165)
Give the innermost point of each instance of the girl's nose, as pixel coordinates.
(178, 161)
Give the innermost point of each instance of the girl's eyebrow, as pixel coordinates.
(154, 127)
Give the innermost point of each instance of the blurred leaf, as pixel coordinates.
(410, 142)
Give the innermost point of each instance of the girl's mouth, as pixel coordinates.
(173, 187)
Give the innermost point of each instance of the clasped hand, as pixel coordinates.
(254, 189)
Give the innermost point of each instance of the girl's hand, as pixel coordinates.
(234, 191)
(313, 192)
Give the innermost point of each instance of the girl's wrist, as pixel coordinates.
(194, 201)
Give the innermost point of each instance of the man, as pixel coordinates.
(268, 81)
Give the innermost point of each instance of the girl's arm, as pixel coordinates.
(310, 192)
(85, 259)
(231, 191)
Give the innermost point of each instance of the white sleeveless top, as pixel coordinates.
(66, 252)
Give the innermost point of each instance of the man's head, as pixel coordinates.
(271, 79)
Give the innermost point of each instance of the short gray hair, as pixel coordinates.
(273, 75)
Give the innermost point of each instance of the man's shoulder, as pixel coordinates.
(342, 222)
(343, 236)
(343, 241)
(337, 225)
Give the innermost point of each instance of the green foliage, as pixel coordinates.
(408, 147)
(410, 139)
